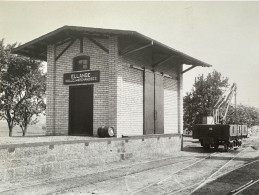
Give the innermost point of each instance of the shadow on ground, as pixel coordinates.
(233, 180)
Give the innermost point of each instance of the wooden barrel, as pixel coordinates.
(105, 131)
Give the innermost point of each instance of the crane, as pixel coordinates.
(217, 132)
(220, 109)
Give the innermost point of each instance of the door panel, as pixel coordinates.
(149, 103)
(81, 110)
(159, 104)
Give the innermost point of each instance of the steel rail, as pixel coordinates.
(187, 187)
(247, 186)
(115, 178)
(171, 175)
(236, 168)
(236, 190)
(204, 181)
(209, 179)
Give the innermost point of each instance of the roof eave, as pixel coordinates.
(192, 60)
(46, 39)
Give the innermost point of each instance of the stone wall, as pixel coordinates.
(18, 161)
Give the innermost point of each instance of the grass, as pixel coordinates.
(37, 129)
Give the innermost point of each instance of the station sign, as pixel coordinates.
(82, 77)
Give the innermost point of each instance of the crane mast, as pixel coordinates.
(221, 107)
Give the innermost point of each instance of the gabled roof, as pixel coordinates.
(37, 48)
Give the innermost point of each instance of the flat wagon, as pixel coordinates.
(219, 134)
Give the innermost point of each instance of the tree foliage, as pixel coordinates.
(244, 115)
(205, 93)
(22, 88)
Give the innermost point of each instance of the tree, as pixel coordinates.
(22, 88)
(244, 115)
(30, 108)
(205, 93)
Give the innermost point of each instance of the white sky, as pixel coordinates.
(223, 34)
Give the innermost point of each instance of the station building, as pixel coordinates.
(117, 78)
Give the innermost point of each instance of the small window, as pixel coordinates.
(81, 63)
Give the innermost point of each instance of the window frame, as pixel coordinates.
(76, 64)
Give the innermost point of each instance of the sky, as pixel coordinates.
(223, 34)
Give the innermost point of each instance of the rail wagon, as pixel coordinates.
(215, 131)
(218, 134)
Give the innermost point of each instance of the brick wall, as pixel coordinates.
(50, 91)
(118, 97)
(98, 61)
(131, 118)
(114, 83)
(18, 161)
(170, 106)
(180, 99)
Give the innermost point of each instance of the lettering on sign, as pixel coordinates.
(82, 77)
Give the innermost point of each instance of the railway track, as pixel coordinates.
(130, 170)
(171, 175)
(222, 170)
(211, 177)
(219, 172)
(214, 176)
(194, 187)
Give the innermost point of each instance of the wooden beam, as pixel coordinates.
(98, 44)
(68, 33)
(81, 45)
(36, 52)
(40, 57)
(43, 53)
(126, 48)
(170, 76)
(65, 49)
(159, 53)
(188, 69)
(32, 52)
(137, 49)
(47, 42)
(97, 36)
(63, 41)
(160, 62)
(73, 35)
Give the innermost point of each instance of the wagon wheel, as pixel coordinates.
(201, 141)
(226, 148)
(216, 145)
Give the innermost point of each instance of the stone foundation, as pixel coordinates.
(19, 161)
